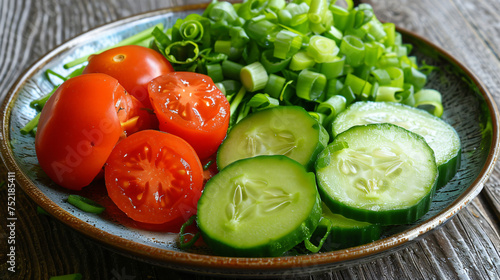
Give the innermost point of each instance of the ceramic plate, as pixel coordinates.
(468, 108)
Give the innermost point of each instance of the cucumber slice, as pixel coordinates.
(441, 137)
(259, 207)
(345, 232)
(379, 173)
(283, 130)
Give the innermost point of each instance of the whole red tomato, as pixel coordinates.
(133, 66)
(79, 126)
(190, 106)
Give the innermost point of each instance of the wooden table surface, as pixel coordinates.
(467, 247)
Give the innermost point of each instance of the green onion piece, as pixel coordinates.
(341, 17)
(254, 76)
(223, 11)
(182, 234)
(359, 86)
(222, 89)
(429, 100)
(313, 248)
(322, 49)
(192, 30)
(231, 70)
(373, 51)
(381, 76)
(262, 101)
(74, 276)
(388, 60)
(348, 94)
(397, 76)
(331, 107)
(40, 102)
(300, 61)
(287, 43)
(239, 37)
(275, 85)
(354, 50)
(310, 85)
(334, 34)
(182, 52)
(276, 5)
(390, 30)
(49, 73)
(363, 15)
(317, 10)
(132, 40)
(214, 71)
(85, 204)
(388, 94)
(376, 29)
(251, 52)
(225, 47)
(334, 68)
(32, 124)
(251, 8)
(415, 77)
(271, 63)
(208, 164)
(320, 117)
(407, 95)
(231, 87)
(236, 101)
(263, 32)
(333, 87)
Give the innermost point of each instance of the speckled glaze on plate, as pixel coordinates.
(468, 108)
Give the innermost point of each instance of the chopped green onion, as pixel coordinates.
(388, 94)
(397, 76)
(313, 248)
(273, 64)
(301, 61)
(231, 87)
(333, 87)
(287, 43)
(231, 70)
(331, 107)
(354, 50)
(430, 100)
(254, 76)
(85, 204)
(341, 17)
(317, 10)
(334, 68)
(32, 124)
(275, 85)
(310, 85)
(182, 52)
(182, 234)
(214, 71)
(359, 86)
(322, 49)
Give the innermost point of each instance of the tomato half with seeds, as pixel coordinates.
(133, 66)
(154, 177)
(79, 126)
(189, 105)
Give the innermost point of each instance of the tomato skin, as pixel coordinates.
(78, 128)
(190, 106)
(154, 177)
(133, 66)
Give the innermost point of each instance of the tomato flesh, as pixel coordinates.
(154, 177)
(191, 106)
(133, 66)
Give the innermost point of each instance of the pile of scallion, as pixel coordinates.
(311, 53)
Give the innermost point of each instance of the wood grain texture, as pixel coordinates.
(467, 247)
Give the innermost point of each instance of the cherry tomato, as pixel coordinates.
(79, 126)
(189, 105)
(154, 177)
(133, 66)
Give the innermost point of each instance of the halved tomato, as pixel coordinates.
(80, 125)
(154, 177)
(189, 105)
